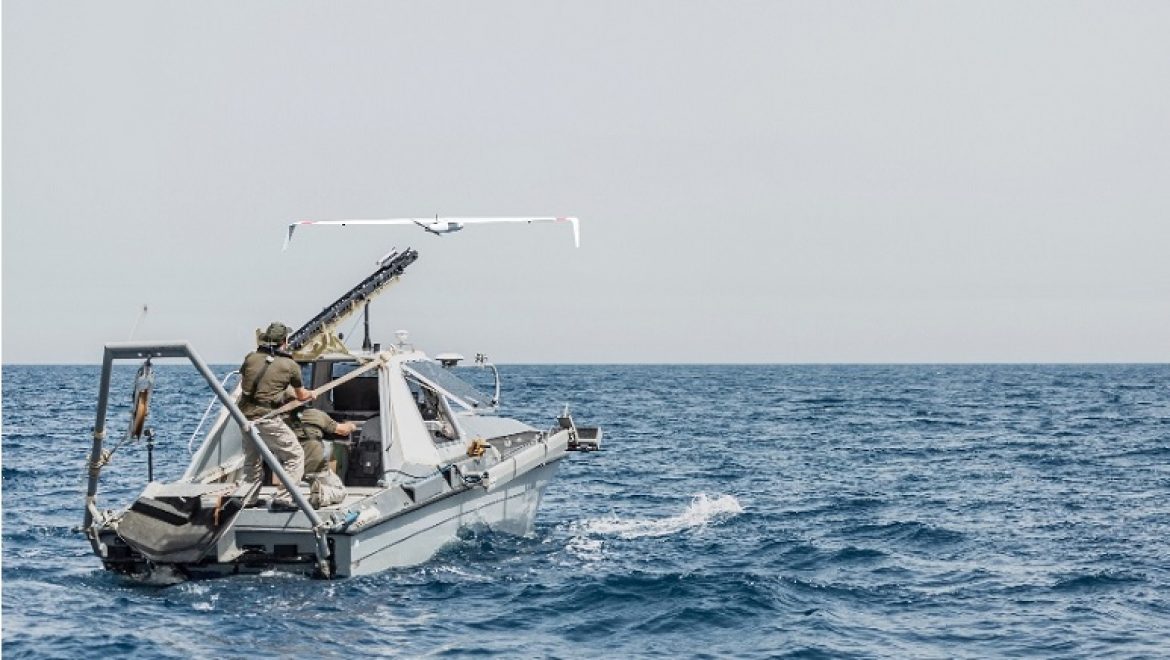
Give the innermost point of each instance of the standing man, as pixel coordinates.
(310, 426)
(265, 375)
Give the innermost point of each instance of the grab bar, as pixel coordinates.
(210, 405)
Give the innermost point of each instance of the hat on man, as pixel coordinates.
(275, 335)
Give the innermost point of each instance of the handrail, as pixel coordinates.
(210, 404)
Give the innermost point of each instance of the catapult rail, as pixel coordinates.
(181, 349)
(388, 270)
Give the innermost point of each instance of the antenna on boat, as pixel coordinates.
(141, 315)
(366, 344)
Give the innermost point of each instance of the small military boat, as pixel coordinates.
(430, 456)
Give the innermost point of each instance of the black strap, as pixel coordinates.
(256, 383)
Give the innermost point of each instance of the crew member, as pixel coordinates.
(310, 426)
(265, 376)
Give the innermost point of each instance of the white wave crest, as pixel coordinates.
(458, 572)
(702, 510)
(161, 576)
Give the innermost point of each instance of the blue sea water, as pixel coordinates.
(736, 511)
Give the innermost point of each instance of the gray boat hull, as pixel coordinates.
(410, 537)
(415, 536)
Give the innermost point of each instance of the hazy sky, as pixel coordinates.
(757, 181)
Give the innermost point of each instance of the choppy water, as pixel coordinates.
(871, 511)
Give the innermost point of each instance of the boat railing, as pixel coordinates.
(210, 404)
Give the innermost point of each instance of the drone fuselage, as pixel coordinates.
(440, 228)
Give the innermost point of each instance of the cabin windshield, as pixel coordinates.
(456, 388)
(435, 409)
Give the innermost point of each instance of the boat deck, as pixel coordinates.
(353, 495)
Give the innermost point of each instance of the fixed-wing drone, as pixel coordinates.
(437, 226)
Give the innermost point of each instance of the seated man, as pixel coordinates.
(310, 426)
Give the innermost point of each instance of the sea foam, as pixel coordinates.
(702, 510)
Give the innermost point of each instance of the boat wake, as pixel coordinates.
(158, 576)
(703, 509)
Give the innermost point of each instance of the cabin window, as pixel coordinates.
(435, 411)
(359, 395)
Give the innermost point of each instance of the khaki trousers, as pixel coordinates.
(283, 444)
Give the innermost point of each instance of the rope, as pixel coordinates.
(108, 454)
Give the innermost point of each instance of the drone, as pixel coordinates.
(437, 226)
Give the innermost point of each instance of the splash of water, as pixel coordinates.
(159, 576)
(702, 510)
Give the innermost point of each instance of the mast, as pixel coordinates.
(366, 344)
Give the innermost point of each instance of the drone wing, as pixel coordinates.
(435, 223)
(292, 227)
(573, 221)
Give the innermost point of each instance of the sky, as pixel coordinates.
(776, 182)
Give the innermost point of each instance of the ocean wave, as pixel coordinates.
(10, 472)
(852, 554)
(840, 505)
(846, 591)
(1096, 581)
(1143, 452)
(909, 531)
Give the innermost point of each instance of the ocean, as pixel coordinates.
(734, 511)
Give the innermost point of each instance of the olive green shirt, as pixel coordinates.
(262, 397)
(310, 424)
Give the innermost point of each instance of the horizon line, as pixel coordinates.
(875, 363)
